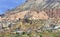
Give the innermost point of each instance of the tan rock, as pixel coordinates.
(40, 15)
(21, 15)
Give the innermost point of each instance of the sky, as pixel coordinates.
(9, 4)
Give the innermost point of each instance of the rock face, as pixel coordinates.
(37, 15)
(34, 15)
(37, 9)
(26, 14)
(53, 13)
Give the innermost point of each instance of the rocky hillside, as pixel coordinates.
(35, 18)
(37, 9)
